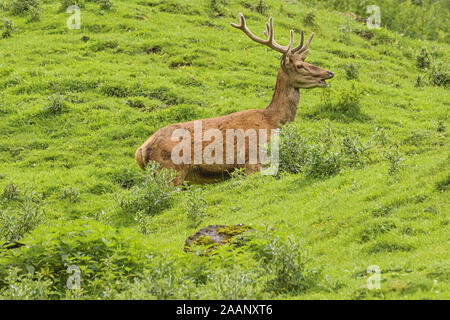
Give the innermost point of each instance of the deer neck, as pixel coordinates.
(283, 107)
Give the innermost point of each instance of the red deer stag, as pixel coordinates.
(197, 136)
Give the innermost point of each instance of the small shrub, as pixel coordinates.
(136, 103)
(103, 255)
(348, 101)
(153, 194)
(195, 208)
(56, 104)
(235, 284)
(11, 192)
(105, 4)
(419, 82)
(423, 59)
(309, 19)
(175, 7)
(441, 126)
(394, 160)
(24, 286)
(35, 13)
(8, 28)
(125, 177)
(20, 7)
(439, 75)
(70, 194)
(67, 3)
(322, 162)
(293, 150)
(353, 152)
(285, 262)
(322, 158)
(15, 223)
(218, 7)
(261, 7)
(351, 71)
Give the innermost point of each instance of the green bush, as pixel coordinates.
(20, 7)
(10, 192)
(153, 194)
(195, 207)
(104, 256)
(105, 4)
(423, 59)
(321, 158)
(7, 28)
(351, 71)
(218, 7)
(417, 19)
(56, 104)
(20, 285)
(285, 263)
(70, 194)
(439, 75)
(67, 3)
(17, 221)
(293, 151)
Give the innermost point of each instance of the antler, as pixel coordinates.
(270, 42)
(300, 48)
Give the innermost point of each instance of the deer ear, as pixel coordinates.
(304, 54)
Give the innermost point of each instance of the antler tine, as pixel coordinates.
(269, 33)
(300, 48)
(302, 37)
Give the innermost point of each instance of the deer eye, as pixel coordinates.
(299, 66)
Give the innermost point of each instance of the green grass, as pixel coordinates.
(73, 112)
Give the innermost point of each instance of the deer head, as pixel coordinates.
(299, 73)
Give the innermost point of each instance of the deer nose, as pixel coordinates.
(331, 74)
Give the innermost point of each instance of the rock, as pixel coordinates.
(215, 235)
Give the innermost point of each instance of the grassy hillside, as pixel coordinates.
(366, 163)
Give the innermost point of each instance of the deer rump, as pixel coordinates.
(159, 147)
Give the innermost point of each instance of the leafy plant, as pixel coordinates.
(8, 28)
(195, 207)
(105, 4)
(15, 223)
(286, 264)
(439, 75)
(309, 19)
(218, 7)
(71, 194)
(10, 192)
(18, 7)
(393, 157)
(351, 71)
(153, 194)
(21, 285)
(67, 3)
(423, 60)
(261, 7)
(102, 254)
(56, 104)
